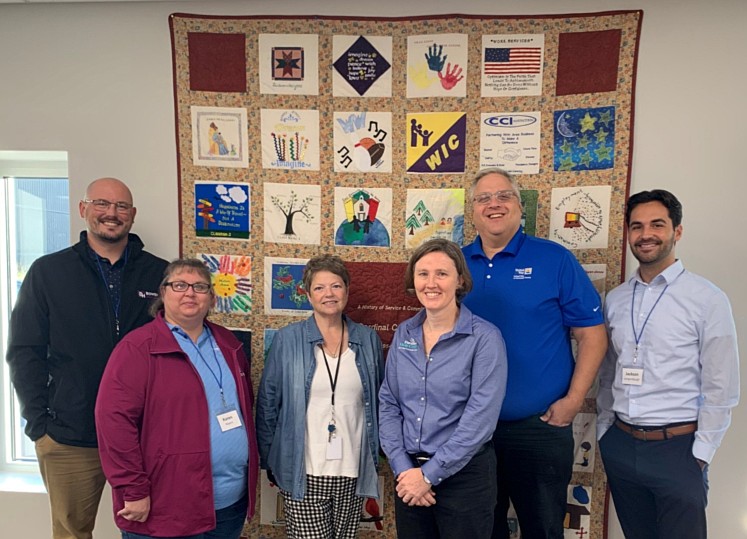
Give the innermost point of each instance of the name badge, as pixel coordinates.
(334, 448)
(229, 420)
(632, 376)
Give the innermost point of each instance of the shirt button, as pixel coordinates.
(418, 419)
(417, 439)
(487, 276)
(422, 377)
(490, 265)
(366, 404)
(422, 398)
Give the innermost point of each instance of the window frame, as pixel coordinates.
(16, 450)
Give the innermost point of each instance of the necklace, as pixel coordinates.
(330, 351)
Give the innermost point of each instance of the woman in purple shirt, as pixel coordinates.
(444, 384)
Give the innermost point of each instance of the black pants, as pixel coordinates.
(535, 463)
(658, 488)
(464, 505)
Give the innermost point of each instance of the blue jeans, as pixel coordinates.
(229, 524)
(535, 463)
(464, 504)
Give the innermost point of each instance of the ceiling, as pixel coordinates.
(81, 1)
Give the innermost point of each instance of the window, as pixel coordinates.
(34, 220)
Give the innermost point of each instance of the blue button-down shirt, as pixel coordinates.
(111, 274)
(688, 352)
(447, 403)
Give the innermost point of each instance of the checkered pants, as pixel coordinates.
(329, 510)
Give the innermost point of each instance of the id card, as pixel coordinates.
(229, 420)
(632, 376)
(334, 448)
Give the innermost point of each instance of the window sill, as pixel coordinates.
(28, 482)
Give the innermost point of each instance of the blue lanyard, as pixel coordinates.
(219, 377)
(639, 335)
(117, 301)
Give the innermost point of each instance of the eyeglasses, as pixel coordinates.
(101, 204)
(500, 196)
(181, 286)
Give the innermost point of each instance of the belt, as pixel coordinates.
(657, 434)
(418, 459)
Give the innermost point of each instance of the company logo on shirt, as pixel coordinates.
(408, 345)
(147, 294)
(522, 273)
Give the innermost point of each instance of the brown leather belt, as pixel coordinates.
(657, 434)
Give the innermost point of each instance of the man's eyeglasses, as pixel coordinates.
(100, 204)
(181, 286)
(500, 196)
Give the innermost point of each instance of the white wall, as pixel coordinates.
(26, 516)
(95, 80)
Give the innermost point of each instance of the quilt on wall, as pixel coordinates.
(360, 136)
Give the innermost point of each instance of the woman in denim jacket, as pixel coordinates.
(317, 420)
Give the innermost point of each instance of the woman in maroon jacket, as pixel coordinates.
(174, 419)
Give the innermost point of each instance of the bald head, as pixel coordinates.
(109, 214)
(110, 185)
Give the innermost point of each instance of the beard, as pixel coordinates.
(111, 237)
(105, 234)
(663, 250)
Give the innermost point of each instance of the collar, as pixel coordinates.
(134, 244)
(463, 324)
(475, 250)
(164, 341)
(97, 257)
(179, 331)
(666, 277)
(314, 336)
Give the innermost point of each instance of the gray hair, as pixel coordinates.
(495, 170)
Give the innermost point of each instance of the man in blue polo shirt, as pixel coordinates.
(536, 292)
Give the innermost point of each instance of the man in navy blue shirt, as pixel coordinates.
(537, 294)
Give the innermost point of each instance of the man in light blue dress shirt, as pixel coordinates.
(668, 382)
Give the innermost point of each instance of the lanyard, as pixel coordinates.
(117, 299)
(333, 381)
(639, 335)
(219, 377)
